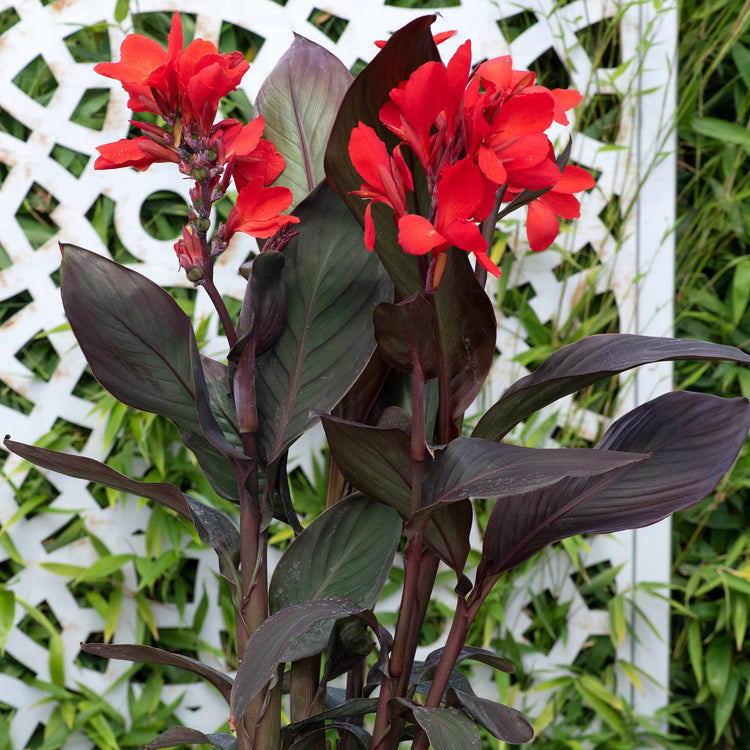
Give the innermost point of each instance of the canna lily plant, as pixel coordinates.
(374, 200)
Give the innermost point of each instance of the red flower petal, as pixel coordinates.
(124, 153)
(565, 206)
(465, 234)
(486, 263)
(459, 192)
(369, 228)
(491, 166)
(574, 179)
(368, 153)
(417, 236)
(523, 115)
(542, 226)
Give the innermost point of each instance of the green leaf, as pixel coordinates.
(722, 130)
(122, 8)
(299, 101)
(103, 568)
(113, 312)
(346, 552)
(333, 285)
(586, 362)
(150, 655)
(56, 651)
(718, 664)
(695, 650)
(268, 645)
(741, 57)
(7, 615)
(740, 291)
(725, 706)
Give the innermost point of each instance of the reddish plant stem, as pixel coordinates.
(402, 656)
(219, 306)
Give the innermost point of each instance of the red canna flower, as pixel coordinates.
(257, 211)
(176, 83)
(386, 178)
(542, 225)
(464, 197)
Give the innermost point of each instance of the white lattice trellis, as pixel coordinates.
(636, 169)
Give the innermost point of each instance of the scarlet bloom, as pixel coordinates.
(258, 210)
(463, 198)
(174, 82)
(542, 225)
(386, 178)
(477, 135)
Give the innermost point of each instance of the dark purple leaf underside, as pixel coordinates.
(503, 722)
(472, 467)
(213, 527)
(693, 439)
(586, 362)
(150, 655)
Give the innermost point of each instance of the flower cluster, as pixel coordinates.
(184, 88)
(480, 137)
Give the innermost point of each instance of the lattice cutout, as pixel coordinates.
(50, 136)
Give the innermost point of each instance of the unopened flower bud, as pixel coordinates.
(190, 254)
(203, 225)
(199, 173)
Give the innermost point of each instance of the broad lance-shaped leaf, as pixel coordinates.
(150, 655)
(299, 101)
(446, 728)
(377, 462)
(693, 438)
(586, 362)
(184, 736)
(503, 722)
(472, 467)
(268, 645)
(406, 50)
(345, 552)
(333, 285)
(213, 527)
(141, 348)
(467, 331)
